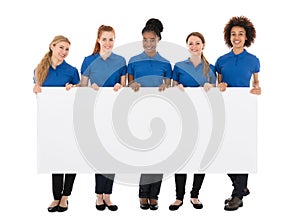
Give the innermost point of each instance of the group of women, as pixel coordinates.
(103, 68)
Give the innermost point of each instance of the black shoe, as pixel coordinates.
(234, 204)
(53, 209)
(100, 207)
(197, 206)
(245, 193)
(175, 207)
(62, 209)
(111, 207)
(144, 203)
(153, 204)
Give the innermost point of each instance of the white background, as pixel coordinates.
(27, 28)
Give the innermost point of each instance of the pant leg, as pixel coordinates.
(180, 181)
(144, 186)
(240, 184)
(155, 185)
(68, 184)
(109, 181)
(100, 181)
(57, 185)
(232, 178)
(197, 183)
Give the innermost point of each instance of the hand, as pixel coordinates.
(222, 86)
(181, 87)
(135, 86)
(95, 86)
(37, 89)
(207, 86)
(256, 90)
(163, 87)
(117, 86)
(69, 86)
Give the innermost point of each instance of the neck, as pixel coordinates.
(105, 55)
(55, 62)
(150, 55)
(238, 50)
(195, 59)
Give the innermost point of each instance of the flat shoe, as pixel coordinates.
(100, 207)
(175, 207)
(62, 209)
(111, 207)
(53, 209)
(197, 206)
(144, 203)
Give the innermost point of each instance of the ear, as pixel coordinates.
(51, 47)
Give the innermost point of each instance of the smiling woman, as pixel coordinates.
(103, 68)
(54, 71)
(149, 69)
(235, 69)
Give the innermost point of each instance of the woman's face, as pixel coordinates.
(106, 41)
(238, 36)
(150, 41)
(195, 45)
(60, 50)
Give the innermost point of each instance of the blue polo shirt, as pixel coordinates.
(62, 74)
(237, 70)
(105, 73)
(186, 74)
(149, 71)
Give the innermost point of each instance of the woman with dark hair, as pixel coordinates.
(103, 68)
(54, 71)
(150, 69)
(236, 69)
(192, 72)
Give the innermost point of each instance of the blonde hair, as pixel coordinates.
(42, 68)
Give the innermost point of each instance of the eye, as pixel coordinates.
(111, 39)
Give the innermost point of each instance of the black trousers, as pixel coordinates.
(150, 185)
(180, 181)
(104, 183)
(239, 183)
(62, 185)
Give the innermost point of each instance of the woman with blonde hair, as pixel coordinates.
(54, 71)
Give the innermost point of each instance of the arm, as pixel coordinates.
(207, 86)
(37, 89)
(256, 89)
(122, 83)
(180, 86)
(131, 83)
(165, 85)
(222, 85)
